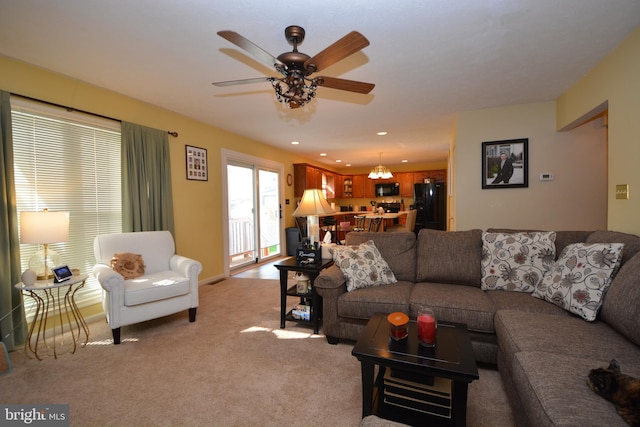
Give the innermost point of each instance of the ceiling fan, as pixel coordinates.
(297, 87)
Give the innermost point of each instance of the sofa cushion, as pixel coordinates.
(580, 278)
(462, 304)
(631, 242)
(362, 265)
(527, 331)
(449, 256)
(621, 306)
(553, 391)
(364, 303)
(524, 302)
(155, 287)
(398, 249)
(516, 261)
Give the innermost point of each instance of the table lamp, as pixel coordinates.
(313, 204)
(43, 228)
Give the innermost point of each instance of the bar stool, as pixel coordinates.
(330, 224)
(375, 223)
(360, 224)
(343, 228)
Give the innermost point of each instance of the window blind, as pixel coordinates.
(68, 162)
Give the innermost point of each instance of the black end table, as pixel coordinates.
(311, 297)
(415, 384)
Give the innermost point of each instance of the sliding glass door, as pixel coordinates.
(269, 209)
(253, 208)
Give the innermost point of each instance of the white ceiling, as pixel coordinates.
(428, 59)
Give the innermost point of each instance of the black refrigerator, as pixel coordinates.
(430, 200)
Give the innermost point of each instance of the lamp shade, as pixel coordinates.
(313, 203)
(44, 227)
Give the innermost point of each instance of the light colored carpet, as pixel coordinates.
(233, 367)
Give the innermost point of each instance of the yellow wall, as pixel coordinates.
(614, 81)
(574, 200)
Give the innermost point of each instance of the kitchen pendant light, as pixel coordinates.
(380, 172)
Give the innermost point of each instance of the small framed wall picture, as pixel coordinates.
(505, 164)
(196, 163)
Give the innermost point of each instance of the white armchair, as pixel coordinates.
(169, 283)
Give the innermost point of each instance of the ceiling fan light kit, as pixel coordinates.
(296, 88)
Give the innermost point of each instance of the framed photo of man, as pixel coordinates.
(505, 164)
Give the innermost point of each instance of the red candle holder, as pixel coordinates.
(427, 327)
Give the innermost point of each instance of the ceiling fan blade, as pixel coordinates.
(250, 47)
(241, 82)
(343, 84)
(348, 45)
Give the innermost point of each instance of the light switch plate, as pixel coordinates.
(622, 191)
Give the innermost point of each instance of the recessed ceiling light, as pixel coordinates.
(294, 143)
(338, 161)
(405, 161)
(323, 154)
(381, 133)
(347, 164)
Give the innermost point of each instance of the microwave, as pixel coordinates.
(391, 189)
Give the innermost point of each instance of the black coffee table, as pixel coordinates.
(416, 385)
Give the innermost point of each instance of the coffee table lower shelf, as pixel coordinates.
(402, 381)
(413, 403)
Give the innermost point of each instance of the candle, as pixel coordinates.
(427, 327)
(398, 323)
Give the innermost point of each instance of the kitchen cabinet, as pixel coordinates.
(328, 181)
(438, 175)
(347, 187)
(406, 181)
(360, 187)
(305, 177)
(338, 186)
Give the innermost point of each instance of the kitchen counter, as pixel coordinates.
(390, 218)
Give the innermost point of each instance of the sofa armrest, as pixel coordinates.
(108, 278)
(330, 279)
(330, 285)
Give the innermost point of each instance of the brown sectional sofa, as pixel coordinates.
(543, 352)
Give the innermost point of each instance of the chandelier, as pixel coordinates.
(380, 172)
(294, 90)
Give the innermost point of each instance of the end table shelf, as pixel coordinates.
(311, 298)
(305, 299)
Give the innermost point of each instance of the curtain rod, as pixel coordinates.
(71, 109)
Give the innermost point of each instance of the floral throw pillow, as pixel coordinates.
(516, 261)
(362, 266)
(580, 278)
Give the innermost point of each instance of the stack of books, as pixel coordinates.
(301, 312)
(429, 395)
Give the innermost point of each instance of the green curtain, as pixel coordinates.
(13, 325)
(147, 200)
